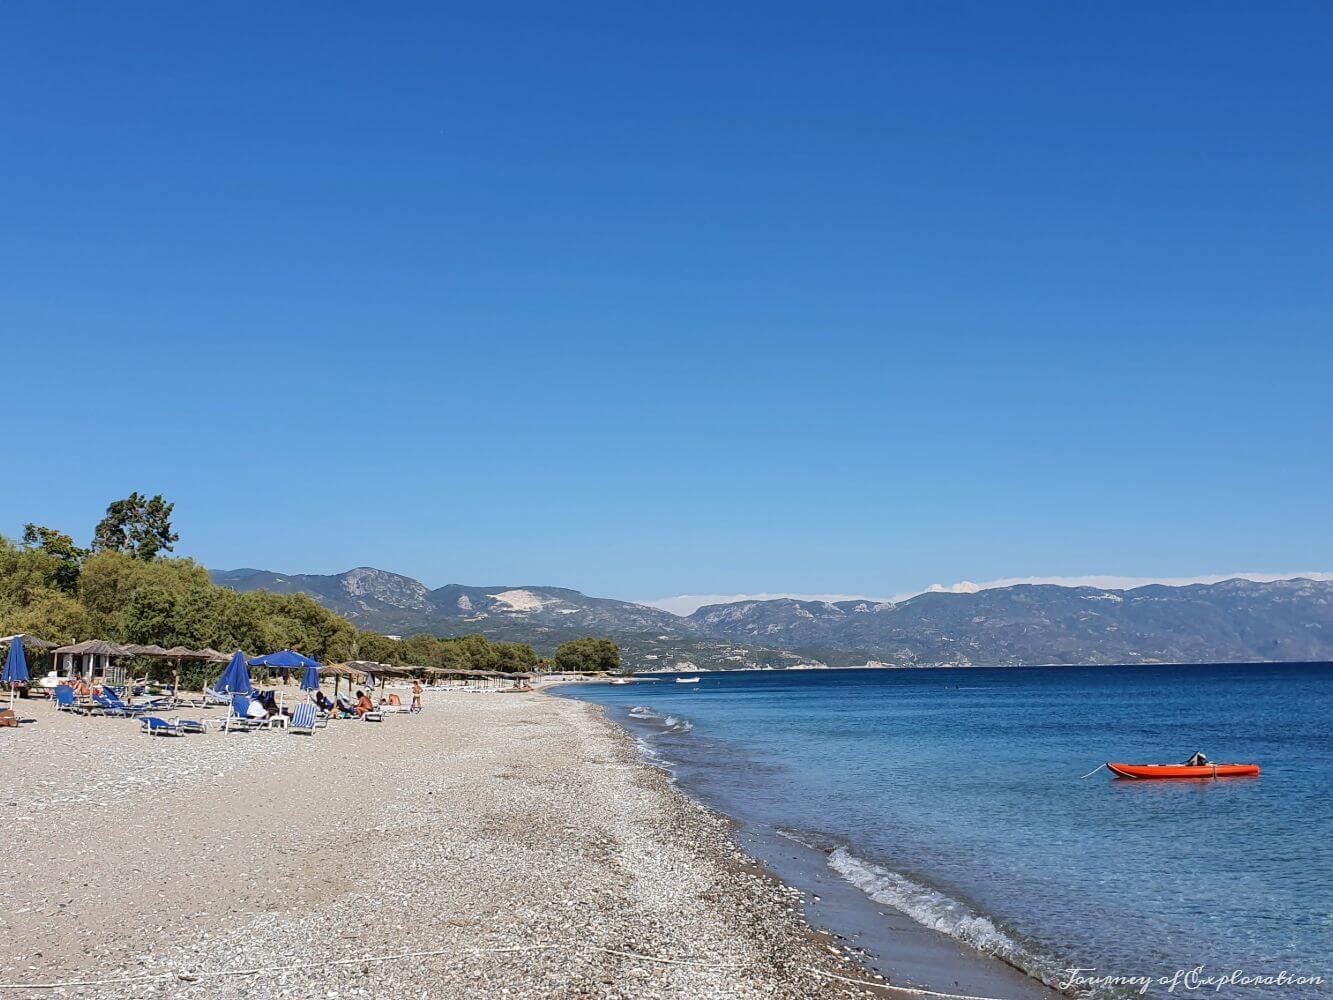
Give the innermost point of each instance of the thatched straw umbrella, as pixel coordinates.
(351, 669)
(29, 641)
(151, 651)
(180, 653)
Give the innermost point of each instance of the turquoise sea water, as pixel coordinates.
(957, 797)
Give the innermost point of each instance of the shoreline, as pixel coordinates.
(806, 668)
(887, 941)
(491, 843)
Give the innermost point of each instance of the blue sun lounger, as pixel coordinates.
(212, 697)
(111, 703)
(238, 718)
(154, 726)
(106, 705)
(303, 720)
(64, 699)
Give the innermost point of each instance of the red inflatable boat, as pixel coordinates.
(1183, 770)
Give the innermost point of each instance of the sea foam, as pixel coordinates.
(938, 911)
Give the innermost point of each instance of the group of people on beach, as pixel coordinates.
(265, 704)
(364, 705)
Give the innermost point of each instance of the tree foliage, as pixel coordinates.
(122, 591)
(587, 655)
(468, 652)
(138, 525)
(69, 557)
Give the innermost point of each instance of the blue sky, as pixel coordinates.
(651, 300)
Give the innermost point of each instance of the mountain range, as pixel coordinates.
(1232, 621)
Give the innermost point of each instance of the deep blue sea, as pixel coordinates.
(957, 797)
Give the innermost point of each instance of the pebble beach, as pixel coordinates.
(492, 846)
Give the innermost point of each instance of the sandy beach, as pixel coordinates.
(494, 845)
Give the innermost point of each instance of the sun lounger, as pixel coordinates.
(104, 705)
(303, 720)
(349, 711)
(190, 726)
(238, 718)
(108, 699)
(154, 726)
(63, 697)
(212, 697)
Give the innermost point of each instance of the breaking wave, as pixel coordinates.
(666, 723)
(940, 912)
(675, 725)
(652, 758)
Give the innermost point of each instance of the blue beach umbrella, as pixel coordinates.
(236, 678)
(287, 659)
(310, 679)
(16, 667)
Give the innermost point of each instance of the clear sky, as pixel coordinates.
(678, 298)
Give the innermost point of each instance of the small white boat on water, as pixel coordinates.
(620, 680)
(687, 680)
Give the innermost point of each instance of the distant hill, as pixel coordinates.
(543, 616)
(1236, 620)
(387, 602)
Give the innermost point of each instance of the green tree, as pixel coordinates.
(152, 616)
(138, 525)
(514, 657)
(68, 555)
(587, 655)
(50, 614)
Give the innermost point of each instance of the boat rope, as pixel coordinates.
(1094, 770)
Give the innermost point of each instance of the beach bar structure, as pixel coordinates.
(90, 659)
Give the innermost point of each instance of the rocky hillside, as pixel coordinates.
(386, 602)
(543, 616)
(1236, 620)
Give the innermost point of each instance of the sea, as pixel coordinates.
(970, 801)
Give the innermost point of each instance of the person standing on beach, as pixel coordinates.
(416, 696)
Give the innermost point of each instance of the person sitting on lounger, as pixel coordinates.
(363, 703)
(256, 709)
(323, 704)
(82, 690)
(270, 702)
